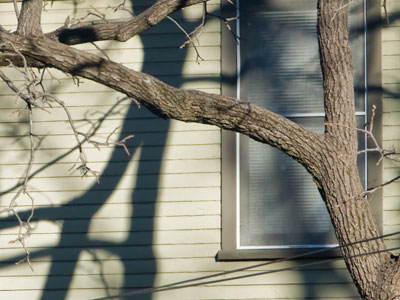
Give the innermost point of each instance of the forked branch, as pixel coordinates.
(119, 29)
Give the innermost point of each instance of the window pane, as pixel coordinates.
(280, 67)
(361, 159)
(283, 206)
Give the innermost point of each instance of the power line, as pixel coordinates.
(192, 282)
(168, 288)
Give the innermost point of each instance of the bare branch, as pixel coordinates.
(386, 12)
(11, 85)
(198, 57)
(197, 31)
(121, 7)
(15, 2)
(389, 154)
(97, 14)
(83, 167)
(3, 29)
(340, 8)
(117, 29)
(24, 226)
(27, 75)
(101, 50)
(169, 102)
(107, 143)
(226, 22)
(29, 18)
(94, 127)
(375, 188)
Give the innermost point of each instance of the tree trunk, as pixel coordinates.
(338, 176)
(331, 159)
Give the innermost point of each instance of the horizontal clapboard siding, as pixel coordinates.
(233, 293)
(391, 120)
(155, 217)
(159, 207)
(123, 196)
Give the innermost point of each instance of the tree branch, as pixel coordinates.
(16, 8)
(336, 63)
(119, 29)
(169, 102)
(29, 18)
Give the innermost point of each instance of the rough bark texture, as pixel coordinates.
(340, 182)
(29, 18)
(119, 30)
(169, 102)
(330, 159)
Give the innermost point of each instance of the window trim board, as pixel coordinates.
(229, 249)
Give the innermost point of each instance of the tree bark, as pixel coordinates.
(331, 159)
(339, 179)
(119, 30)
(29, 19)
(169, 102)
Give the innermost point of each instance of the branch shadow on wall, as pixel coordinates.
(287, 80)
(136, 251)
(134, 256)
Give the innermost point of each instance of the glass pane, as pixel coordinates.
(284, 207)
(357, 40)
(280, 67)
(361, 159)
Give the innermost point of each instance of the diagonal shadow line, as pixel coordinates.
(52, 162)
(139, 211)
(68, 225)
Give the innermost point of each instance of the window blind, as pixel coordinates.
(280, 205)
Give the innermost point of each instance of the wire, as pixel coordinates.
(187, 283)
(163, 289)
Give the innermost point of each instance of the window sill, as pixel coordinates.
(290, 254)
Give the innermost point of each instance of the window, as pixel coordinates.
(271, 206)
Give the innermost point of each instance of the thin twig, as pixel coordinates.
(391, 155)
(16, 8)
(386, 12)
(101, 50)
(83, 167)
(340, 8)
(226, 22)
(2, 29)
(107, 143)
(197, 31)
(189, 39)
(121, 7)
(25, 227)
(375, 188)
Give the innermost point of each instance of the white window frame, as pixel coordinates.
(231, 248)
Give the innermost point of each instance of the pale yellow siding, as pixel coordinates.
(155, 217)
(391, 117)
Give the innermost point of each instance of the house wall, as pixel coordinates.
(391, 116)
(155, 217)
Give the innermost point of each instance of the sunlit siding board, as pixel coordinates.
(174, 206)
(333, 291)
(102, 225)
(210, 293)
(173, 68)
(69, 141)
(93, 92)
(157, 228)
(391, 120)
